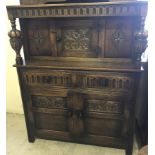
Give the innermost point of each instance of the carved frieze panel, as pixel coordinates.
(105, 106)
(107, 82)
(79, 80)
(48, 102)
(60, 79)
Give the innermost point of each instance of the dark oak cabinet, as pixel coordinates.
(81, 70)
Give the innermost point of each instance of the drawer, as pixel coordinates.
(106, 80)
(47, 78)
(79, 79)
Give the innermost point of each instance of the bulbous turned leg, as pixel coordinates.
(140, 42)
(16, 41)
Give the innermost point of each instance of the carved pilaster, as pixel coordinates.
(140, 41)
(16, 41)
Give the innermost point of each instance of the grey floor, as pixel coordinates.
(17, 143)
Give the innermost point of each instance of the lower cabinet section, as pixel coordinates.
(68, 106)
(84, 118)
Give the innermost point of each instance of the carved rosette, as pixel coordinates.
(140, 42)
(16, 41)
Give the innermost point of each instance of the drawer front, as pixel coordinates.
(48, 78)
(80, 79)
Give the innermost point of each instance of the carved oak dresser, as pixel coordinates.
(81, 68)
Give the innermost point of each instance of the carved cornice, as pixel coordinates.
(88, 9)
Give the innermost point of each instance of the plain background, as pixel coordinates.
(13, 97)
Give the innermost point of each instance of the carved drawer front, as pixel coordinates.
(76, 79)
(105, 80)
(49, 78)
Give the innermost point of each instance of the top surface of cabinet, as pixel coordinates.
(32, 2)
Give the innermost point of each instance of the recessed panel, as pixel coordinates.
(118, 42)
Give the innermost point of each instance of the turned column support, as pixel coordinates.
(16, 41)
(140, 41)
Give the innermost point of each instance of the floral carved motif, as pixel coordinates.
(105, 106)
(77, 39)
(48, 102)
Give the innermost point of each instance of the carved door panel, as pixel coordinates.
(118, 38)
(60, 112)
(38, 37)
(107, 115)
(49, 112)
(76, 38)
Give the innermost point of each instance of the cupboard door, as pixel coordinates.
(49, 112)
(118, 38)
(77, 38)
(38, 37)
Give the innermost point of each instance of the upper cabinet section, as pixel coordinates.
(79, 30)
(90, 38)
